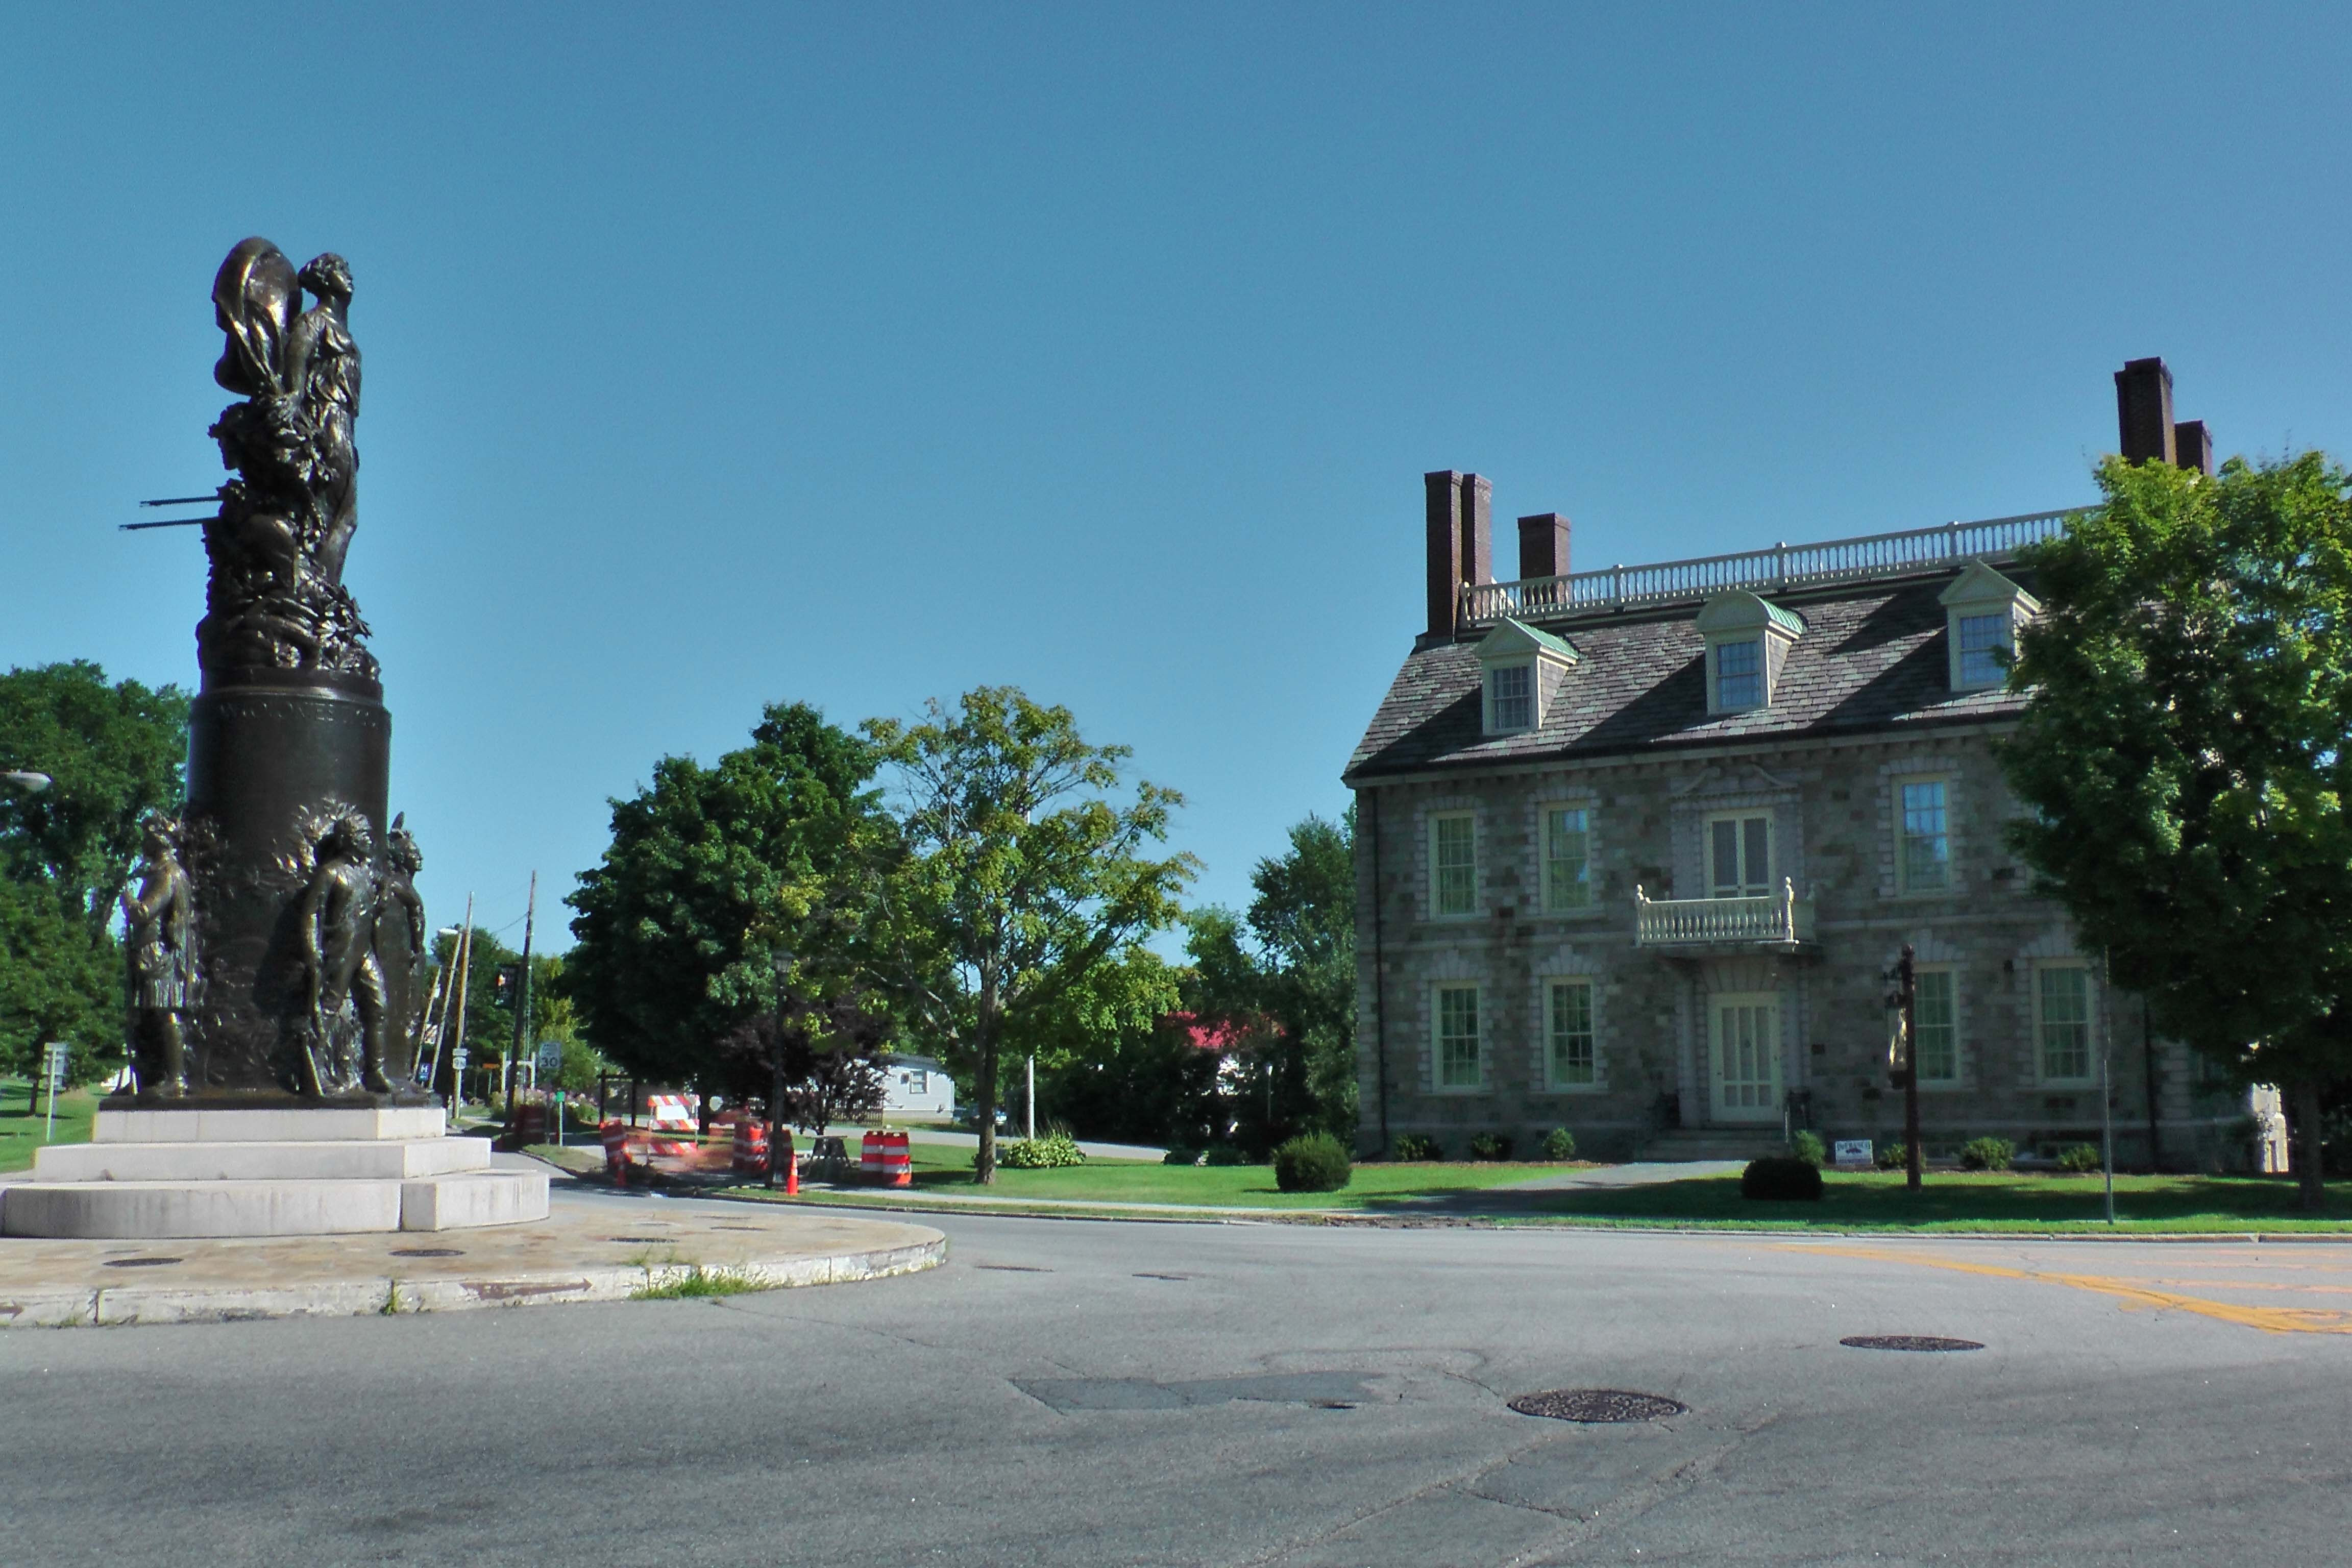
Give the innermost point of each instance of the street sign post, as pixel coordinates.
(457, 1076)
(53, 1070)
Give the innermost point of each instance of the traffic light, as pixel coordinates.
(510, 984)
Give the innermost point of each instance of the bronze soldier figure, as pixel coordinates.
(336, 924)
(161, 925)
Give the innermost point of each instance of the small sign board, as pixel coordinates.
(1852, 1152)
(53, 1064)
(548, 1061)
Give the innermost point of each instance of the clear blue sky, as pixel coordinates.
(862, 354)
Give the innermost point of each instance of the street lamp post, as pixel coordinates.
(1905, 1000)
(783, 962)
(1907, 987)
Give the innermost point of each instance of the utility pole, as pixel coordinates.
(454, 1045)
(522, 1014)
(784, 962)
(1906, 990)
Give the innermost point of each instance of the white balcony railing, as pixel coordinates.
(1782, 567)
(1783, 917)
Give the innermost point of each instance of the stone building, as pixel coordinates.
(1638, 847)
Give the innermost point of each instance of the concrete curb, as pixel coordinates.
(387, 1294)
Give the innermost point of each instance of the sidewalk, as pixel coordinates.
(585, 1251)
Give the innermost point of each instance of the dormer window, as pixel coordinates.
(1747, 641)
(1984, 610)
(1522, 670)
(1738, 675)
(1510, 698)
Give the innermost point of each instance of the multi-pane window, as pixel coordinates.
(1926, 850)
(1453, 854)
(1983, 639)
(1511, 698)
(1739, 675)
(1458, 1065)
(1740, 856)
(1568, 867)
(1568, 1059)
(1937, 1048)
(2063, 1020)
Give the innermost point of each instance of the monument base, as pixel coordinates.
(158, 1174)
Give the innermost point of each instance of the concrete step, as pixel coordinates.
(154, 1210)
(1712, 1143)
(333, 1160)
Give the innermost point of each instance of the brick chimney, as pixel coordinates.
(1543, 546)
(2192, 447)
(2143, 410)
(1461, 542)
(2143, 420)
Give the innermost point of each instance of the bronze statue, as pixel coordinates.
(161, 926)
(335, 920)
(277, 598)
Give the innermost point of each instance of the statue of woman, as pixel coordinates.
(162, 924)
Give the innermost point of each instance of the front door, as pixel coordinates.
(1744, 1056)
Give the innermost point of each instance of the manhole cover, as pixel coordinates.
(142, 1262)
(428, 1252)
(655, 1240)
(1907, 1343)
(1597, 1404)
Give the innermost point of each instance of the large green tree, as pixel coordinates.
(713, 871)
(1024, 869)
(114, 751)
(1293, 962)
(2186, 757)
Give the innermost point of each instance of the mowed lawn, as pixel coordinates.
(20, 1129)
(947, 1170)
(1962, 1200)
(1951, 1200)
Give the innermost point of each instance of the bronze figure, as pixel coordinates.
(276, 599)
(159, 924)
(335, 925)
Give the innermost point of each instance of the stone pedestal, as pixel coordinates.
(315, 1172)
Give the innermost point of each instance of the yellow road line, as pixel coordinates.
(2271, 1319)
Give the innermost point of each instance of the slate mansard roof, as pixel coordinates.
(1872, 659)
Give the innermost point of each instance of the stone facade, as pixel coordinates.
(1630, 1023)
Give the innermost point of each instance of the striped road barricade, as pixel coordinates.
(886, 1160)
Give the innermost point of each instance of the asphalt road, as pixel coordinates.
(1104, 1393)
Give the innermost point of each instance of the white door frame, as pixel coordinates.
(1756, 1019)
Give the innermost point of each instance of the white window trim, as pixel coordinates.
(1544, 982)
(1980, 590)
(1437, 911)
(1959, 1040)
(1773, 875)
(1494, 726)
(1437, 1084)
(1717, 702)
(1951, 885)
(2090, 1076)
(1543, 906)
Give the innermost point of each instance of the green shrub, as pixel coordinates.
(1895, 1156)
(1224, 1154)
(1988, 1153)
(1490, 1145)
(1312, 1162)
(1560, 1143)
(1781, 1178)
(2080, 1157)
(1414, 1146)
(1181, 1157)
(1809, 1147)
(1045, 1154)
